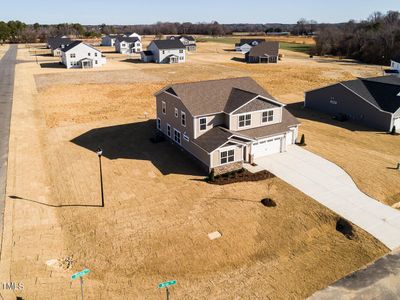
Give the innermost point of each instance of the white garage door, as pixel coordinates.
(397, 124)
(266, 147)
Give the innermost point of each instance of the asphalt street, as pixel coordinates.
(7, 72)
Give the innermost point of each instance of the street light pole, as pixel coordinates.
(81, 279)
(99, 154)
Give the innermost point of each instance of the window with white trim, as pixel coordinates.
(203, 124)
(185, 137)
(183, 119)
(176, 112)
(169, 130)
(227, 156)
(72, 55)
(268, 116)
(177, 136)
(95, 54)
(164, 107)
(244, 120)
(159, 124)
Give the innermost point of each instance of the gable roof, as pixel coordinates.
(265, 48)
(381, 92)
(249, 41)
(288, 120)
(216, 96)
(169, 44)
(127, 39)
(213, 139)
(76, 43)
(57, 42)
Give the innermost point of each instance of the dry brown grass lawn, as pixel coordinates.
(158, 210)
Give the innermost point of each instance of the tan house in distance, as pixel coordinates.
(224, 123)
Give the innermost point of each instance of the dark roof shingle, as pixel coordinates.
(169, 44)
(382, 92)
(265, 48)
(216, 96)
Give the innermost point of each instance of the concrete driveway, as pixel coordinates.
(333, 187)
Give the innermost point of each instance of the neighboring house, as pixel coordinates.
(81, 55)
(188, 40)
(109, 40)
(55, 38)
(265, 52)
(128, 45)
(224, 123)
(165, 52)
(56, 44)
(372, 102)
(246, 44)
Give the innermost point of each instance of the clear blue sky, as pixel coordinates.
(223, 11)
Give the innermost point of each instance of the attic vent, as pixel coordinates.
(171, 91)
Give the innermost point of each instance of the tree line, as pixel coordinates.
(19, 32)
(375, 40)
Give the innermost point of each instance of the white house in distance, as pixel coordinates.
(81, 55)
(109, 40)
(128, 45)
(165, 52)
(245, 45)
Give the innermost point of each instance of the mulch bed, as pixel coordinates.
(240, 176)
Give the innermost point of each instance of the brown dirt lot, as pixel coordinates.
(158, 210)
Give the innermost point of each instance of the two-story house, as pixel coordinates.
(245, 45)
(128, 45)
(188, 40)
(224, 123)
(165, 51)
(81, 55)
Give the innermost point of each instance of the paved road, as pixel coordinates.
(380, 280)
(333, 187)
(7, 71)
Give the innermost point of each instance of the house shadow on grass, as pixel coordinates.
(52, 65)
(132, 141)
(238, 59)
(133, 60)
(299, 111)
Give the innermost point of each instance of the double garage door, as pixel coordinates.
(267, 147)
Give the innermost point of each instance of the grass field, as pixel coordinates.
(286, 43)
(158, 210)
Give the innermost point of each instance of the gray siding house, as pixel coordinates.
(372, 102)
(165, 52)
(265, 52)
(224, 123)
(187, 40)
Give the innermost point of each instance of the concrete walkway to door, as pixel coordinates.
(333, 187)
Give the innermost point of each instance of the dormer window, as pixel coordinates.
(203, 124)
(245, 120)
